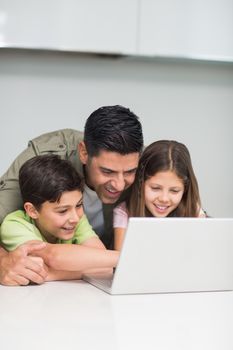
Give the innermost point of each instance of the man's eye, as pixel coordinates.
(130, 172)
(107, 171)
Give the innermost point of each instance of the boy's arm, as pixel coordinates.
(18, 268)
(60, 275)
(94, 242)
(74, 257)
(55, 275)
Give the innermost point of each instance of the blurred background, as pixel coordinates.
(169, 61)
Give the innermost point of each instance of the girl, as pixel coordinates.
(165, 185)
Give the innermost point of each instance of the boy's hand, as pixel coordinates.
(18, 268)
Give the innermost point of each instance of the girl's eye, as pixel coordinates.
(175, 191)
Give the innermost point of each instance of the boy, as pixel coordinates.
(51, 190)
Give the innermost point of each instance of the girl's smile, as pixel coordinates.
(163, 193)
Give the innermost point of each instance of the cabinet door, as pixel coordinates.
(187, 28)
(107, 26)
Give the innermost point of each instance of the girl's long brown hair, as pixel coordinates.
(162, 156)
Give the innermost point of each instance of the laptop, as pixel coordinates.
(164, 255)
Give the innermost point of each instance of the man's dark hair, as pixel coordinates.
(114, 129)
(46, 178)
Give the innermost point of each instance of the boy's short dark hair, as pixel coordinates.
(46, 177)
(114, 129)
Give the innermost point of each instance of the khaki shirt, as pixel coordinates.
(63, 143)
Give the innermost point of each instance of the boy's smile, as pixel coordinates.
(58, 220)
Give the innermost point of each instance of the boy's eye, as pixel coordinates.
(79, 205)
(62, 211)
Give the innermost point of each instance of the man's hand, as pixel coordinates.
(18, 268)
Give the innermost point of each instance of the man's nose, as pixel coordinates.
(119, 183)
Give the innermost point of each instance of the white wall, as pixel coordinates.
(188, 101)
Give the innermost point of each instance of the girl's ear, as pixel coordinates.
(82, 150)
(31, 210)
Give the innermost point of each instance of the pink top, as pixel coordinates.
(120, 216)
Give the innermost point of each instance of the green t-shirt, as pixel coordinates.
(18, 228)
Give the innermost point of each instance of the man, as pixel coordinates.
(107, 155)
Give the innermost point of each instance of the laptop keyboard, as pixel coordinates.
(104, 281)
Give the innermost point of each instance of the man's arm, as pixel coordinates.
(10, 198)
(18, 268)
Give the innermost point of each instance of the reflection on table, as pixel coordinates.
(75, 315)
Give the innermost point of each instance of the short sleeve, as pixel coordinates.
(120, 216)
(83, 231)
(16, 230)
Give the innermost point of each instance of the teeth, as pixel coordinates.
(161, 208)
(112, 191)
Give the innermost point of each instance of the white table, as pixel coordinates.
(75, 315)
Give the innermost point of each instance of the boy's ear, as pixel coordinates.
(31, 210)
(82, 150)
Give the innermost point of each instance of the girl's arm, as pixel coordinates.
(120, 222)
(119, 234)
